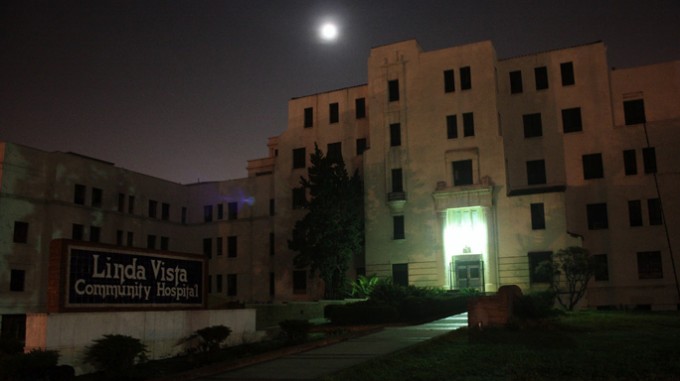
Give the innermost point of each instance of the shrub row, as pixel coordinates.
(367, 312)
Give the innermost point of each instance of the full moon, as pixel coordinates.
(329, 32)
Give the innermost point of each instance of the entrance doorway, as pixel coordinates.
(468, 274)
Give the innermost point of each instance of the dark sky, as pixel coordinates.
(190, 90)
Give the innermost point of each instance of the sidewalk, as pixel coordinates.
(315, 363)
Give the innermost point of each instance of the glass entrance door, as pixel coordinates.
(469, 274)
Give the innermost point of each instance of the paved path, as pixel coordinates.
(315, 363)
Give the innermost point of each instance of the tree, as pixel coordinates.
(332, 231)
(570, 269)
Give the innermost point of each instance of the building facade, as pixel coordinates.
(475, 170)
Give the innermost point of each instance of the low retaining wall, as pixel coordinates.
(161, 331)
(494, 310)
(270, 315)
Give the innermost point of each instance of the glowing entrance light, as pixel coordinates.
(465, 237)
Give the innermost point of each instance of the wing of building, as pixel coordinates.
(475, 170)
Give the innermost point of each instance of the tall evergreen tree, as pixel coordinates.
(332, 231)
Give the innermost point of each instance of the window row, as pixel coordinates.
(598, 217)
(452, 125)
(232, 246)
(231, 287)
(571, 122)
(465, 77)
(126, 203)
(334, 112)
(232, 212)
(541, 78)
(333, 152)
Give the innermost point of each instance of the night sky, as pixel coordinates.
(190, 90)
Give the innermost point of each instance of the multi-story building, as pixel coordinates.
(475, 170)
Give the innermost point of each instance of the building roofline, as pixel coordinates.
(552, 50)
(329, 91)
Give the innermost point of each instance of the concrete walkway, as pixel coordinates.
(318, 362)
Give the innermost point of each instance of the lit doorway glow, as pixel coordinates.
(466, 246)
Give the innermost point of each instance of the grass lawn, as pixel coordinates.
(591, 345)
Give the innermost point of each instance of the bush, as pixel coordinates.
(115, 355)
(538, 305)
(212, 337)
(361, 313)
(34, 365)
(296, 330)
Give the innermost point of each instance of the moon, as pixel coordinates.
(328, 32)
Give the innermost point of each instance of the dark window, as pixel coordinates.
(17, 280)
(393, 89)
(535, 261)
(654, 210)
(537, 216)
(635, 212)
(232, 210)
(630, 162)
(299, 282)
(299, 199)
(232, 246)
(20, 232)
(121, 202)
(397, 181)
(272, 206)
(541, 74)
(334, 151)
(95, 233)
(272, 284)
(218, 281)
(299, 157)
(97, 195)
(567, 70)
(468, 124)
(597, 216)
(360, 108)
(571, 120)
(400, 274)
(130, 238)
(207, 213)
(462, 172)
(398, 227)
(272, 244)
(600, 267)
(207, 247)
(465, 78)
(131, 204)
(184, 214)
(451, 127)
(333, 113)
(634, 111)
(219, 247)
(309, 117)
(361, 146)
(395, 134)
(533, 126)
(79, 194)
(210, 288)
(232, 285)
(165, 211)
(536, 172)
(153, 209)
(592, 166)
(165, 243)
(119, 237)
(516, 82)
(151, 241)
(649, 159)
(220, 211)
(449, 81)
(77, 232)
(649, 265)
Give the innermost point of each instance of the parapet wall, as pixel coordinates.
(161, 331)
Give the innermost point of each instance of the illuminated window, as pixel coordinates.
(537, 216)
(635, 213)
(634, 111)
(299, 282)
(309, 117)
(462, 172)
(299, 157)
(395, 135)
(465, 78)
(77, 232)
(654, 210)
(20, 232)
(360, 108)
(449, 81)
(629, 162)
(571, 120)
(17, 280)
(398, 227)
(400, 274)
(567, 72)
(97, 197)
(451, 127)
(597, 216)
(649, 159)
(516, 82)
(232, 210)
(541, 74)
(334, 113)
(533, 127)
(468, 124)
(592, 166)
(393, 90)
(232, 285)
(232, 246)
(536, 172)
(535, 260)
(649, 265)
(601, 267)
(79, 194)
